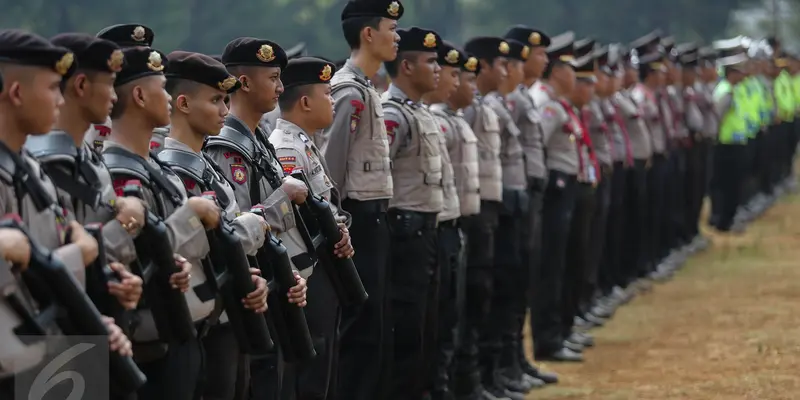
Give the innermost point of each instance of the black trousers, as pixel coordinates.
(548, 306)
(221, 378)
(658, 208)
(443, 349)
(700, 180)
(679, 230)
(636, 234)
(414, 267)
(577, 257)
(510, 284)
(365, 338)
(532, 247)
(175, 376)
(694, 182)
(597, 236)
(480, 230)
(730, 172)
(611, 273)
(772, 163)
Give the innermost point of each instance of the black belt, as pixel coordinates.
(369, 206)
(423, 219)
(452, 223)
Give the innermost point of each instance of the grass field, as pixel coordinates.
(726, 327)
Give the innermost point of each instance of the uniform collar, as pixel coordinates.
(170, 143)
(395, 93)
(292, 128)
(444, 107)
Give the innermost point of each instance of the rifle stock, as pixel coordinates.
(250, 328)
(170, 310)
(55, 284)
(317, 215)
(289, 320)
(98, 276)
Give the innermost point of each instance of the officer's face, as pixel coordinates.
(603, 84)
(264, 84)
(516, 73)
(448, 84)
(156, 99)
(689, 76)
(424, 71)
(467, 87)
(100, 96)
(35, 93)
(500, 70)
(320, 102)
(631, 76)
(383, 41)
(205, 109)
(565, 75)
(583, 93)
(537, 62)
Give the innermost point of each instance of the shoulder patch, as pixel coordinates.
(390, 127)
(549, 112)
(511, 105)
(287, 159)
(239, 173)
(154, 145)
(355, 117)
(102, 130)
(289, 168)
(189, 183)
(358, 105)
(443, 128)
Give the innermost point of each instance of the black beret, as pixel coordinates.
(561, 48)
(603, 58)
(471, 64)
(90, 52)
(202, 69)
(254, 52)
(141, 62)
(391, 9)
(651, 62)
(583, 47)
(451, 56)
(585, 68)
(128, 35)
(20, 47)
(518, 50)
(531, 37)
(487, 47)
(418, 39)
(307, 71)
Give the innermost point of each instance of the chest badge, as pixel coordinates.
(238, 173)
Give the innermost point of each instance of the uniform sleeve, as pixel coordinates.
(250, 232)
(350, 112)
(237, 172)
(724, 103)
(552, 120)
(72, 258)
(187, 234)
(470, 114)
(397, 130)
(118, 242)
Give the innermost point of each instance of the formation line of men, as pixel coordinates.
(262, 225)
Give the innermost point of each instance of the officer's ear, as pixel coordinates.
(137, 93)
(181, 104)
(79, 82)
(245, 83)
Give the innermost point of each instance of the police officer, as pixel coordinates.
(306, 108)
(197, 85)
(472, 378)
(357, 150)
(731, 148)
(36, 66)
(247, 159)
(498, 346)
(561, 130)
(462, 148)
(418, 197)
(142, 105)
(124, 35)
(441, 351)
(91, 198)
(527, 119)
(706, 82)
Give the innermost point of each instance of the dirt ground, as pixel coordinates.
(726, 327)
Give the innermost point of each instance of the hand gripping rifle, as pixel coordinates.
(52, 284)
(168, 305)
(318, 218)
(289, 320)
(230, 276)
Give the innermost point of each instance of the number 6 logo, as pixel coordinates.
(45, 380)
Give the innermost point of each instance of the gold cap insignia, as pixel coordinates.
(64, 64)
(154, 62)
(227, 84)
(535, 38)
(325, 75)
(504, 48)
(472, 64)
(265, 53)
(656, 66)
(430, 40)
(526, 51)
(452, 57)
(138, 34)
(566, 58)
(115, 61)
(394, 9)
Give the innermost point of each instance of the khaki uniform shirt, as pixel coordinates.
(462, 149)
(636, 121)
(485, 125)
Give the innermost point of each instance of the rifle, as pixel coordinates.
(317, 215)
(289, 320)
(52, 284)
(98, 276)
(230, 276)
(170, 310)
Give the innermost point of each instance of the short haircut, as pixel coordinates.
(178, 86)
(393, 67)
(123, 93)
(290, 96)
(352, 28)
